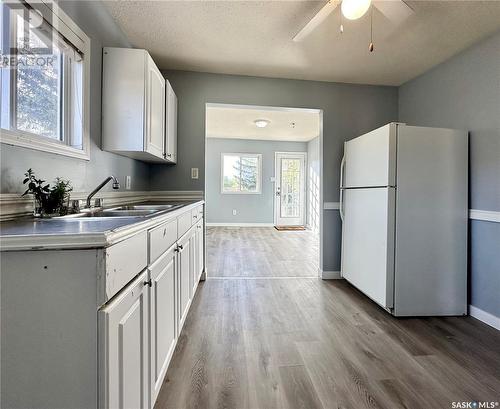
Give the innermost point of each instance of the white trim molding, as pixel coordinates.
(485, 215)
(331, 206)
(330, 275)
(239, 224)
(485, 317)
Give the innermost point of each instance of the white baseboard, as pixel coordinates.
(240, 224)
(485, 317)
(330, 275)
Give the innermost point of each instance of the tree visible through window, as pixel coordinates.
(241, 173)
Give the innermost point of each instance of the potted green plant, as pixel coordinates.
(49, 201)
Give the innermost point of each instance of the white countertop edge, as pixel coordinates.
(88, 240)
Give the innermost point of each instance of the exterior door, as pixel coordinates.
(368, 242)
(290, 188)
(124, 348)
(162, 312)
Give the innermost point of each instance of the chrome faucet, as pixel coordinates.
(116, 185)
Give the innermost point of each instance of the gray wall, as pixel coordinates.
(254, 208)
(93, 18)
(348, 111)
(464, 93)
(313, 185)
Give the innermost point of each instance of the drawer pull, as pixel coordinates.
(195, 216)
(180, 246)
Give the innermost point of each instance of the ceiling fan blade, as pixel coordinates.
(316, 20)
(396, 11)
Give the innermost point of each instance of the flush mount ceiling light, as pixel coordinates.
(354, 9)
(261, 123)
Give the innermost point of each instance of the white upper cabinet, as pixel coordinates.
(171, 124)
(134, 107)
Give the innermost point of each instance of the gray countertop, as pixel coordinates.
(31, 233)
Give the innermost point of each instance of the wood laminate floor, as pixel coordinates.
(308, 343)
(261, 252)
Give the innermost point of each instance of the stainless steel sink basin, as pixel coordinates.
(153, 207)
(139, 210)
(111, 213)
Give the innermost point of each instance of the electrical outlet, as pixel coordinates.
(234, 212)
(194, 173)
(128, 182)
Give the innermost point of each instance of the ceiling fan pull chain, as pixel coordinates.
(370, 47)
(341, 24)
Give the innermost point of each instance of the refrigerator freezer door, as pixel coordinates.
(368, 242)
(370, 159)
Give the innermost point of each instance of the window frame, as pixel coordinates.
(258, 191)
(68, 29)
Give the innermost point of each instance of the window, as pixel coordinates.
(241, 173)
(45, 79)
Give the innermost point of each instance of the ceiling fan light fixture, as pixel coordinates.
(354, 9)
(261, 123)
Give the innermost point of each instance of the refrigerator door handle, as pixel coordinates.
(341, 199)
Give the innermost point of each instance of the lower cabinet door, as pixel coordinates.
(162, 310)
(124, 348)
(200, 249)
(184, 264)
(193, 243)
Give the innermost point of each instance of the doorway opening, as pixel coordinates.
(263, 191)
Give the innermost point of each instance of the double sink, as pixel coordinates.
(139, 210)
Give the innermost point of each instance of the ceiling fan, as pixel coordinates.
(396, 11)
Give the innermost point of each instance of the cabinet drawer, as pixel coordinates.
(184, 223)
(161, 238)
(124, 261)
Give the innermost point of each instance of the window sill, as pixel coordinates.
(30, 141)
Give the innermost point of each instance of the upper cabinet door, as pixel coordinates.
(171, 125)
(155, 110)
(123, 346)
(370, 159)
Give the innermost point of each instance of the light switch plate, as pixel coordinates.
(194, 173)
(128, 182)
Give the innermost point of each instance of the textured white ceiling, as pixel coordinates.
(255, 38)
(232, 121)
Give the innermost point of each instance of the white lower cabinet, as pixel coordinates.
(110, 322)
(200, 243)
(124, 348)
(162, 317)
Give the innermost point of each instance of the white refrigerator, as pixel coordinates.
(404, 210)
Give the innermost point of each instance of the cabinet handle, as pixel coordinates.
(149, 282)
(169, 155)
(195, 216)
(180, 246)
(164, 232)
